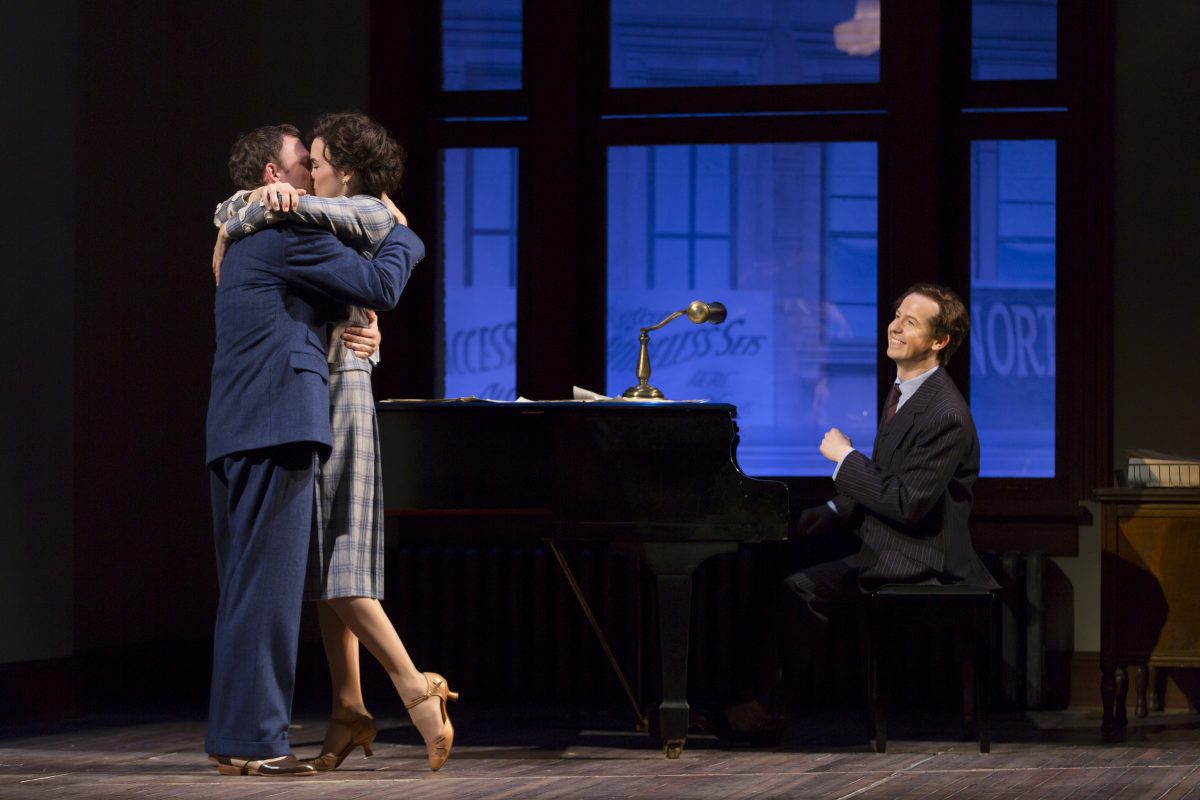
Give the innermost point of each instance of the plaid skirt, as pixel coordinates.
(346, 555)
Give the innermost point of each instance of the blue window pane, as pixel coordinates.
(481, 45)
(798, 352)
(750, 43)
(712, 262)
(479, 270)
(671, 267)
(852, 214)
(1014, 40)
(712, 189)
(856, 267)
(1034, 221)
(492, 193)
(492, 261)
(1013, 305)
(671, 209)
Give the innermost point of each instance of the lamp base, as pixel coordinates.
(643, 392)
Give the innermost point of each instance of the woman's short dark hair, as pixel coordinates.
(951, 319)
(254, 150)
(356, 143)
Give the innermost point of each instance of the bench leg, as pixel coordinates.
(881, 679)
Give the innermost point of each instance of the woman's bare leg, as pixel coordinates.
(365, 619)
(341, 652)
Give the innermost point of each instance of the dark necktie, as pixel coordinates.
(889, 405)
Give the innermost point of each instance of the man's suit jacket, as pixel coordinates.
(278, 289)
(910, 502)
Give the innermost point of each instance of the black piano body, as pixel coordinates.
(659, 480)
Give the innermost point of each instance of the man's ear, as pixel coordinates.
(941, 343)
(270, 173)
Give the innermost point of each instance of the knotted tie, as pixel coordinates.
(889, 405)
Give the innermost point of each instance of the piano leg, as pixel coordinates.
(674, 620)
(673, 564)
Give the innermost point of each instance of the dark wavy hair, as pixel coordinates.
(253, 150)
(357, 143)
(951, 319)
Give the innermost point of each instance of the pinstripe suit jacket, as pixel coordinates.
(910, 502)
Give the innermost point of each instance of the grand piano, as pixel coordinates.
(659, 480)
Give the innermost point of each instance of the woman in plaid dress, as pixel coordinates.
(354, 162)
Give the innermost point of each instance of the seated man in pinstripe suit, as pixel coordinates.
(905, 507)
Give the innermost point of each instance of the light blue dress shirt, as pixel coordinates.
(907, 389)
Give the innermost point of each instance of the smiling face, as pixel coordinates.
(328, 180)
(911, 343)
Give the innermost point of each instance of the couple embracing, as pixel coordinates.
(302, 263)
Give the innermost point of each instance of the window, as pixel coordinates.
(481, 45)
(1014, 39)
(785, 235)
(1013, 309)
(717, 43)
(479, 239)
(764, 155)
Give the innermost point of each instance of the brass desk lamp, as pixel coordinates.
(697, 311)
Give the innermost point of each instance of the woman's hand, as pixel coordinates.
(278, 196)
(395, 212)
(363, 342)
(219, 253)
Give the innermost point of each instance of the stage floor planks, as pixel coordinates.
(542, 753)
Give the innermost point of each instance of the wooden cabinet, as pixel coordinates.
(1149, 592)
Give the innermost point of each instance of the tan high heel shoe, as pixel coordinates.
(439, 746)
(362, 734)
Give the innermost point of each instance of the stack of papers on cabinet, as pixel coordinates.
(1151, 468)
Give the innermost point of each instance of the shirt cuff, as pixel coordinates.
(839, 464)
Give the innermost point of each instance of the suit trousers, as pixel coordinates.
(797, 622)
(263, 506)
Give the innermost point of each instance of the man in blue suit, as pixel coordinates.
(268, 427)
(904, 507)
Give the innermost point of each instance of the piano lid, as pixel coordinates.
(601, 469)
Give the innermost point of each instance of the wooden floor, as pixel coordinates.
(504, 752)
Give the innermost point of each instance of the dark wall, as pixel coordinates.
(165, 87)
(1157, 209)
(37, 285)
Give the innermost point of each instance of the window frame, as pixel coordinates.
(923, 114)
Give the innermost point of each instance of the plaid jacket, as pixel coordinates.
(360, 221)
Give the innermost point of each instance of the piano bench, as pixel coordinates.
(895, 609)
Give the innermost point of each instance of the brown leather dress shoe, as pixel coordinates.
(287, 766)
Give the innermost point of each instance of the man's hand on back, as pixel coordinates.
(363, 342)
